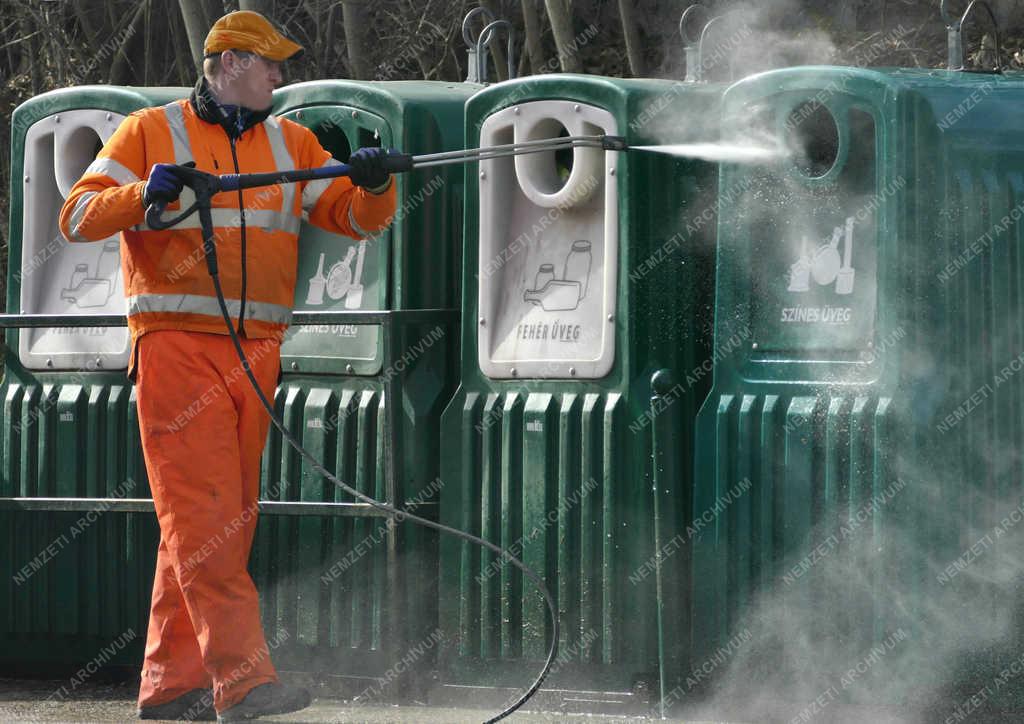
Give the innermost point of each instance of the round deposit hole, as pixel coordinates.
(333, 139)
(563, 160)
(815, 139)
(549, 170)
(74, 152)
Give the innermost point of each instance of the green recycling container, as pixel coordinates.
(586, 271)
(78, 581)
(854, 450)
(328, 581)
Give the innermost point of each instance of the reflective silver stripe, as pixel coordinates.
(361, 233)
(315, 189)
(182, 146)
(269, 221)
(113, 169)
(283, 160)
(179, 134)
(78, 213)
(199, 304)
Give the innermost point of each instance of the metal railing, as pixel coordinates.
(390, 322)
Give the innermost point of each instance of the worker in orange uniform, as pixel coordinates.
(203, 428)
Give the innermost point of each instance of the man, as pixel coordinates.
(203, 428)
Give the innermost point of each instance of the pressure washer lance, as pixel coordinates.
(205, 185)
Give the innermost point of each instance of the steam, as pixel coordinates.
(916, 610)
(773, 38)
(747, 38)
(942, 616)
(752, 37)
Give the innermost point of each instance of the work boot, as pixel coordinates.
(196, 705)
(267, 699)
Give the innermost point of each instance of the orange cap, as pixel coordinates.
(246, 30)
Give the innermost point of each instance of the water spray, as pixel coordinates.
(205, 185)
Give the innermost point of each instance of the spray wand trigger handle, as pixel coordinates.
(153, 214)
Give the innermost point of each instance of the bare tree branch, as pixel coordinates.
(629, 30)
(533, 46)
(355, 19)
(198, 16)
(121, 71)
(82, 12)
(184, 66)
(560, 15)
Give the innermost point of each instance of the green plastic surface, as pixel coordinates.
(560, 471)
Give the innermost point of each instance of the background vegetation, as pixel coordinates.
(47, 44)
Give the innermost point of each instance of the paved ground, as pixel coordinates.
(30, 701)
(24, 700)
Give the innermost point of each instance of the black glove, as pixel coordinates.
(163, 184)
(368, 169)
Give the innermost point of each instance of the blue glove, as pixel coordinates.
(368, 168)
(163, 184)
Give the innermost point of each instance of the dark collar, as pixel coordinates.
(235, 120)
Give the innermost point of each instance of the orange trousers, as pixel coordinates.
(203, 432)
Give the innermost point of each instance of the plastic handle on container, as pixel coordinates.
(946, 17)
(467, 32)
(484, 41)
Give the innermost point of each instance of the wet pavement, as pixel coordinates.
(53, 700)
(50, 701)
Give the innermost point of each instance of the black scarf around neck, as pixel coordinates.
(235, 120)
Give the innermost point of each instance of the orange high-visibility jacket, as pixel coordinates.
(165, 275)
